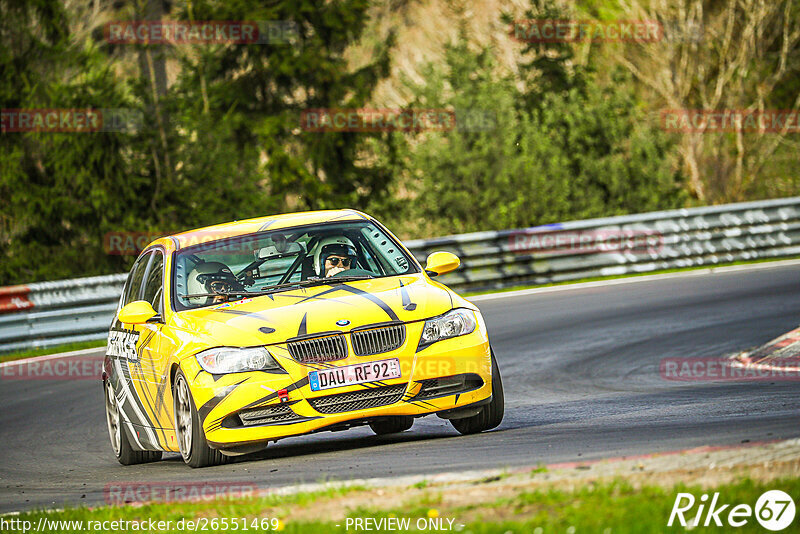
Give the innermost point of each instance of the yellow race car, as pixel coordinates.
(232, 336)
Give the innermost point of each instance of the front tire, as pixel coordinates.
(490, 415)
(392, 425)
(188, 430)
(118, 435)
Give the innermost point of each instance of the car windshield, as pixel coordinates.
(268, 262)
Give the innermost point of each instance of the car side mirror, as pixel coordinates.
(441, 263)
(137, 312)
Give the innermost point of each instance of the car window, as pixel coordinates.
(257, 262)
(135, 279)
(392, 259)
(154, 282)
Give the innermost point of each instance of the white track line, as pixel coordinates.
(636, 279)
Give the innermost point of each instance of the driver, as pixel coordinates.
(211, 277)
(333, 255)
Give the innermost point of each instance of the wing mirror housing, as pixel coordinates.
(137, 312)
(441, 262)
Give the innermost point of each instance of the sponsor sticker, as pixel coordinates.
(122, 344)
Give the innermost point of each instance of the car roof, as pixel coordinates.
(270, 222)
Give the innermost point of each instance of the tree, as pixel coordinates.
(60, 190)
(736, 55)
(262, 89)
(559, 150)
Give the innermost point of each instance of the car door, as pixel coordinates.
(153, 376)
(125, 342)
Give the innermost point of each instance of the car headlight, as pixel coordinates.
(223, 360)
(454, 323)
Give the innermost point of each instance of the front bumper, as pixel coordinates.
(247, 408)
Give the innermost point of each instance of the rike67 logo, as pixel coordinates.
(774, 510)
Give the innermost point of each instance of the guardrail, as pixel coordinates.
(621, 245)
(53, 313)
(45, 314)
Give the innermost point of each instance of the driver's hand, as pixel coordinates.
(333, 271)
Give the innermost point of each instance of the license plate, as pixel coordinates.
(354, 374)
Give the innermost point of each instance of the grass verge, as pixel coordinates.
(615, 506)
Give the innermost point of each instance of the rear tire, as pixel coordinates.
(490, 415)
(188, 430)
(395, 424)
(118, 434)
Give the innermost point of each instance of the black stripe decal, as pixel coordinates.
(344, 287)
(137, 401)
(407, 304)
(274, 395)
(385, 307)
(212, 403)
(242, 313)
(152, 415)
(422, 403)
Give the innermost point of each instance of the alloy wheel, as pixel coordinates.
(112, 418)
(183, 417)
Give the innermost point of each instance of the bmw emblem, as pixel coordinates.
(342, 322)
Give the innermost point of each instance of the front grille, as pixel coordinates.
(378, 340)
(359, 400)
(441, 387)
(277, 413)
(319, 349)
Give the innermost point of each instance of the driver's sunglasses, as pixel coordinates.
(335, 262)
(220, 285)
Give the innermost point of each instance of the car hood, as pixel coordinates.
(272, 319)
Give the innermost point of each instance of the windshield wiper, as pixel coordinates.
(280, 287)
(311, 282)
(228, 294)
(351, 278)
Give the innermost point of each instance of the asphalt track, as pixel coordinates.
(581, 374)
